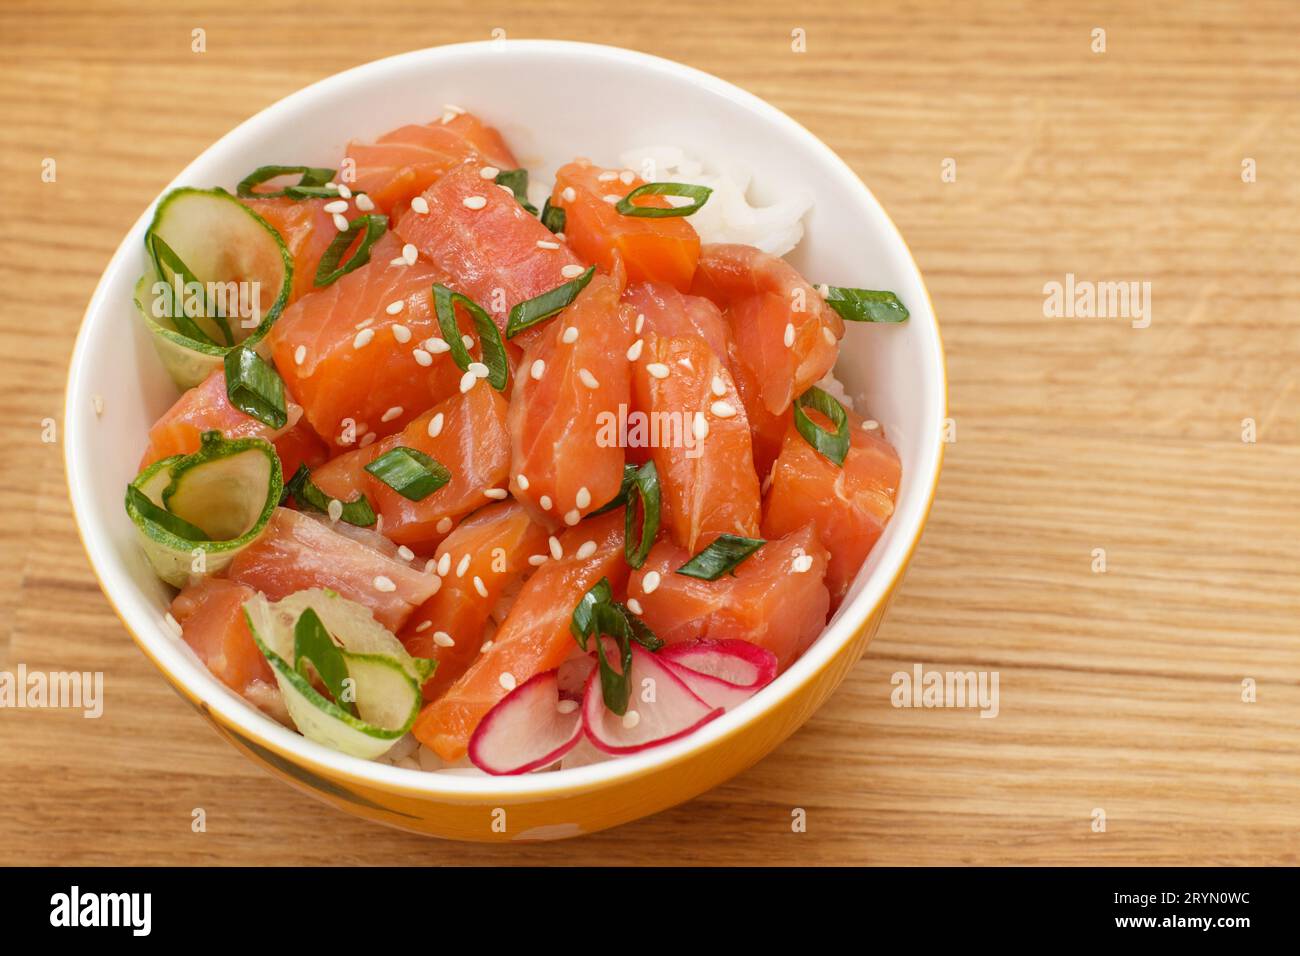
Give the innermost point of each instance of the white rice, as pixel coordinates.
(728, 216)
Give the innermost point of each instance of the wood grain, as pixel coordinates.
(1119, 691)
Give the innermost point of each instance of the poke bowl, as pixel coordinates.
(393, 443)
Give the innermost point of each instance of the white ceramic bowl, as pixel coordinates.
(552, 100)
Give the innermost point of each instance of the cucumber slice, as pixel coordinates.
(225, 491)
(386, 679)
(223, 243)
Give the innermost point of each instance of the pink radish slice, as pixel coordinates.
(672, 711)
(721, 673)
(526, 729)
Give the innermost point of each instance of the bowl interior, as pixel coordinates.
(552, 101)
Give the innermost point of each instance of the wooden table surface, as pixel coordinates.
(1119, 691)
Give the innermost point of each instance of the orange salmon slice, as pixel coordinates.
(465, 433)
(210, 612)
(775, 599)
(533, 638)
(484, 557)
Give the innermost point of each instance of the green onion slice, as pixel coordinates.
(310, 186)
(528, 313)
(311, 642)
(582, 623)
(831, 445)
(699, 195)
(640, 630)
(866, 305)
(552, 217)
(516, 180)
(169, 267)
(489, 336)
(255, 388)
(615, 685)
(721, 556)
(163, 518)
(329, 270)
(304, 491)
(410, 472)
(645, 485)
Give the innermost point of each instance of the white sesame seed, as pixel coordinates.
(299, 355)
(467, 340)
(399, 261)
(572, 271)
(789, 334)
(545, 502)
(802, 564)
(634, 606)
(547, 244)
(423, 626)
(462, 566)
(537, 560)
(366, 440)
(718, 386)
(496, 494)
(612, 198)
(557, 551)
(480, 587)
(640, 322)
(363, 323)
(453, 108)
(650, 582)
(829, 336)
(436, 345)
(722, 409)
(626, 177)
(522, 481)
(467, 382)
(97, 403)
(634, 351)
(394, 412)
(443, 639)
(566, 706)
(340, 222)
(410, 253)
(487, 646)
(585, 550)
(506, 189)
(431, 566)
(405, 553)
(384, 584)
(657, 369)
(538, 369)
(422, 357)
(479, 369)
(339, 205)
(333, 187)
(583, 498)
(572, 517)
(363, 338)
(569, 335)
(335, 509)
(435, 425)
(631, 719)
(587, 378)
(420, 205)
(507, 680)
(700, 427)
(364, 202)
(344, 191)
(474, 202)
(568, 194)
(393, 308)
(870, 425)
(489, 172)
(444, 560)
(607, 177)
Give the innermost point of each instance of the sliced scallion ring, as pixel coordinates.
(866, 305)
(615, 685)
(489, 336)
(516, 180)
(384, 680)
(312, 643)
(304, 491)
(723, 555)
(255, 388)
(834, 446)
(698, 194)
(645, 486)
(410, 472)
(583, 621)
(172, 270)
(216, 501)
(552, 217)
(311, 185)
(329, 270)
(528, 313)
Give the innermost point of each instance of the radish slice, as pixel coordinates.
(526, 729)
(573, 675)
(721, 673)
(671, 710)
